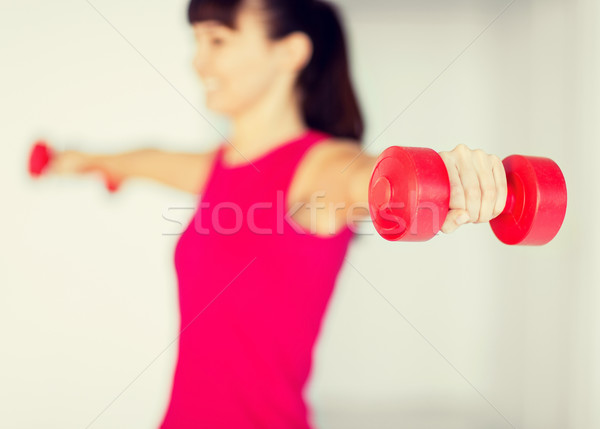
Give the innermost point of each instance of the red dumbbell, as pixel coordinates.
(409, 195)
(41, 157)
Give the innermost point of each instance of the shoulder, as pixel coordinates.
(329, 156)
(336, 146)
(338, 159)
(331, 152)
(322, 164)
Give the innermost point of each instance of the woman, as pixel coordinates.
(258, 262)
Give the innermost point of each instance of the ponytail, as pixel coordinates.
(329, 102)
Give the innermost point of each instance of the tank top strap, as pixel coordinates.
(219, 155)
(287, 163)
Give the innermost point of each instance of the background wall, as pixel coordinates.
(458, 332)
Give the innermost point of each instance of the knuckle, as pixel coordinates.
(499, 166)
(461, 148)
(480, 153)
(495, 159)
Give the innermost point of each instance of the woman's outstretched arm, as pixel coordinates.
(180, 170)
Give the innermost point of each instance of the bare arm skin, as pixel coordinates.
(185, 171)
(334, 177)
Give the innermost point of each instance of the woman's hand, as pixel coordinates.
(75, 162)
(477, 187)
(68, 162)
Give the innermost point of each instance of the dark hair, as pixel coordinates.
(328, 100)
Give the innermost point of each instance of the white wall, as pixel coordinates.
(458, 332)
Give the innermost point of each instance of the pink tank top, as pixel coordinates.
(253, 290)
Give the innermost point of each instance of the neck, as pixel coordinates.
(267, 125)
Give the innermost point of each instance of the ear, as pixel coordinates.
(296, 51)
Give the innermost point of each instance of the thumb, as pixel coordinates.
(454, 219)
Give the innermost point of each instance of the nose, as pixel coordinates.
(200, 59)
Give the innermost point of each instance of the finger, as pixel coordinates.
(487, 184)
(501, 186)
(472, 189)
(457, 193)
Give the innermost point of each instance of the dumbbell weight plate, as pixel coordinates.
(39, 158)
(537, 201)
(409, 194)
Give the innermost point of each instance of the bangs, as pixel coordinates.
(223, 11)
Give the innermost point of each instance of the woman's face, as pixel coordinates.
(237, 67)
